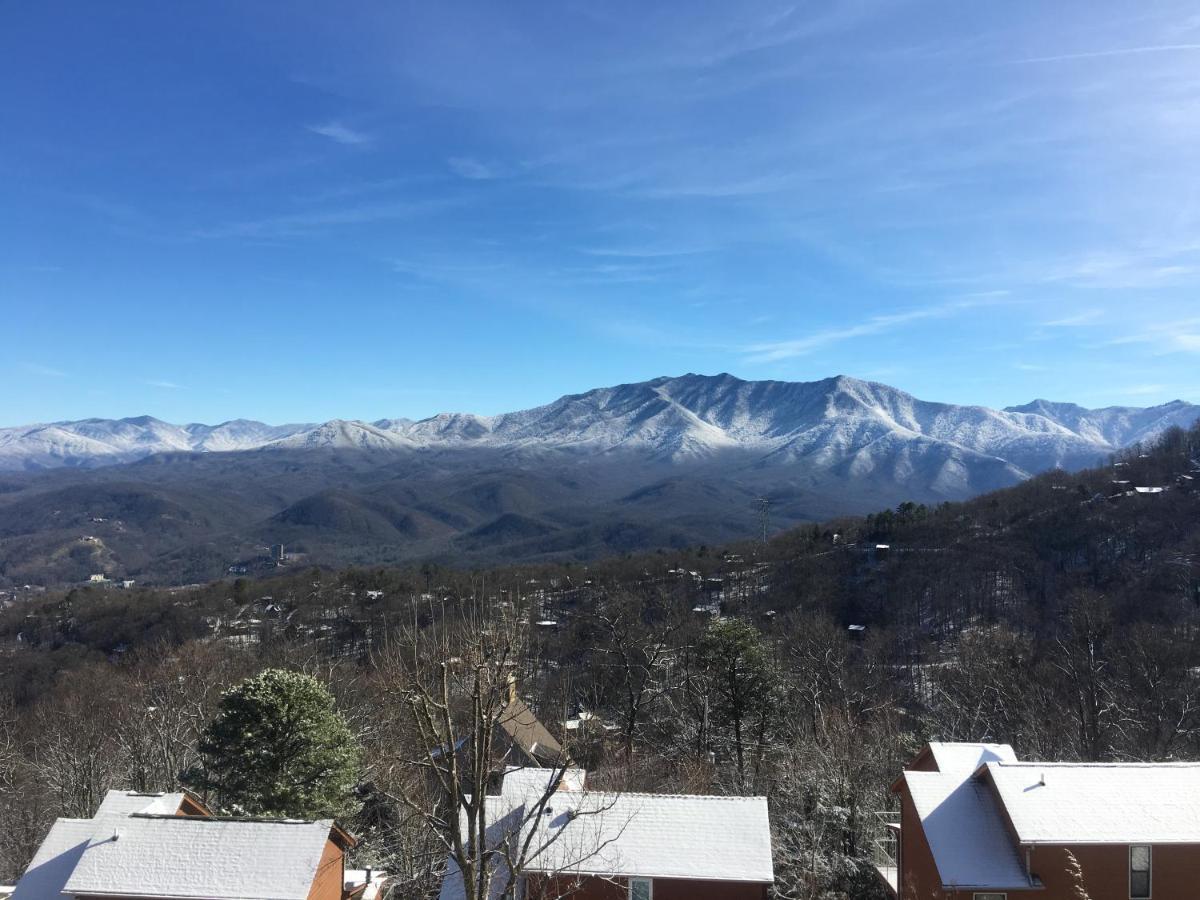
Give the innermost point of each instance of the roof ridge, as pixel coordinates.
(1178, 764)
(671, 796)
(257, 820)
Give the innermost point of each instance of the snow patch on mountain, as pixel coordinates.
(860, 429)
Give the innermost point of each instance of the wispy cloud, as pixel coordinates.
(165, 385)
(45, 371)
(340, 133)
(313, 221)
(473, 169)
(1087, 317)
(1030, 367)
(773, 351)
(1114, 51)
(1141, 390)
(1181, 336)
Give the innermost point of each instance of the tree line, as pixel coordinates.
(1059, 616)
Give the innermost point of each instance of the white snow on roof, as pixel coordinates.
(529, 782)
(126, 803)
(177, 856)
(55, 860)
(655, 836)
(965, 831)
(1124, 803)
(650, 835)
(964, 758)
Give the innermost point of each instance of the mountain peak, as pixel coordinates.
(668, 417)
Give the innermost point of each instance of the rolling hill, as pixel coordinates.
(667, 462)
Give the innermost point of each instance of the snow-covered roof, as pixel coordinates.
(55, 860)
(965, 758)
(582, 832)
(655, 836)
(525, 782)
(126, 803)
(1079, 803)
(194, 856)
(965, 831)
(67, 840)
(982, 805)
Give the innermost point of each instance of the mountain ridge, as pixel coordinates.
(671, 417)
(669, 462)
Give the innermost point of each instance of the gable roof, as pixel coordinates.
(655, 836)
(215, 859)
(964, 758)
(64, 845)
(965, 830)
(1079, 803)
(54, 861)
(981, 805)
(603, 834)
(527, 732)
(137, 846)
(126, 803)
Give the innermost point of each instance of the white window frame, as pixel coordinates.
(649, 887)
(1149, 848)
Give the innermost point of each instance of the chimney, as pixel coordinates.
(512, 688)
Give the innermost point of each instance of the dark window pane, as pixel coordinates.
(1139, 884)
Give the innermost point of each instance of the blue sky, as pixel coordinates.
(299, 211)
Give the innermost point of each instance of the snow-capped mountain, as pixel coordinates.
(1115, 426)
(854, 427)
(100, 442)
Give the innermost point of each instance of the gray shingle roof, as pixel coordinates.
(216, 859)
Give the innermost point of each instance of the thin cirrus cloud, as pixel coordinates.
(1087, 317)
(1115, 51)
(341, 134)
(165, 385)
(775, 351)
(473, 169)
(1181, 336)
(44, 371)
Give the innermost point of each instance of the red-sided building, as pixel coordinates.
(594, 845)
(976, 823)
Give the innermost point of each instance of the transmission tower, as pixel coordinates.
(764, 517)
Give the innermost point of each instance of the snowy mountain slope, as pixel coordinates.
(844, 425)
(97, 442)
(1116, 426)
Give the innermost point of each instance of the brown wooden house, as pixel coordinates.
(976, 823)
(168, 846)
(594, 845)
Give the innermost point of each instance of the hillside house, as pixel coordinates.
(594, 845)
(976, 823)
(169, 847)
(522, 738)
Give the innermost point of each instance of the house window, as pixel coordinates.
(641, 889)
(1139, 872)
(989, 896)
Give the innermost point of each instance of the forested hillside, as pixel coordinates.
(1058, 615)
(670, 463)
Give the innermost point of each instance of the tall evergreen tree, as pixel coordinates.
(277, 747)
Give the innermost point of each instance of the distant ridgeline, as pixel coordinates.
(668, 463)
(1129, 531)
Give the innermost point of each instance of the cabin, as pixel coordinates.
(522, 738)
(976, 823)
(170, 847)
(596, 845)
